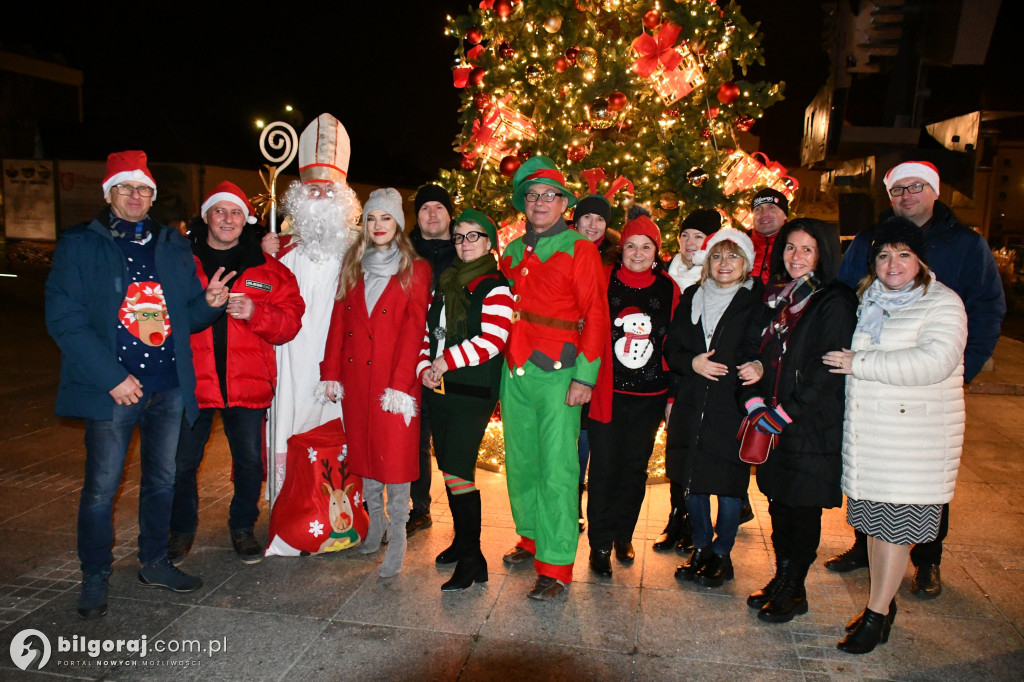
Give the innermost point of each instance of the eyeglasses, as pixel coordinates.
(142, 316)
(915, 188)
(317, 192)
(128, 190)
(471, 237)
(730, 256)
(548, 197)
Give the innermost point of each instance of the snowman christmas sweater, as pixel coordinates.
(640, 307)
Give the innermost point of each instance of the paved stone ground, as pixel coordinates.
(331, 617)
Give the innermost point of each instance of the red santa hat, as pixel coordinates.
(620, 319)
(128, 165)
(229, 191)
(913, 169)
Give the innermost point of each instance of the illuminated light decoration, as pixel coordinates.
(496, 130)
(673, 69)
(745, 172)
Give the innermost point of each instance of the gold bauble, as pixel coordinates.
(553, 24)
(600, 115)
(587, 58)
(658, 165)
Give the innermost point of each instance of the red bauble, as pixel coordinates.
(509, 165)
(503, 8)
(706, 133)
(561, 65)
(744, 123)
(570, 54)
(525, 153)
(728, 93)
(506, 51)
(481, 100)
(617, 101)
(467, 163)
(474, 35)
(651, 19)
(670, 113)
(583, 126)
(476, 76)
(576, 153)
(712, 112)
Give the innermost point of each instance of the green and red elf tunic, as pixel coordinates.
(559, 329)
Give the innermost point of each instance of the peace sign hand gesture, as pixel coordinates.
(217, 290)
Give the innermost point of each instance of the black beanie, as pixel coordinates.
(771, 196)
(705, 220)
(595, 203)
(899, 231)
(432, 192)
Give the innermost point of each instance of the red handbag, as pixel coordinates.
(754, 445)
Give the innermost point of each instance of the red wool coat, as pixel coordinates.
(252, 365)
(369, 353)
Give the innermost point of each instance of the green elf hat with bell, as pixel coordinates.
(477, 217)
(539, 170)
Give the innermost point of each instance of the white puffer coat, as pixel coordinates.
(904, 426)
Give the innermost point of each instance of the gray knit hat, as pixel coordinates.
(385, 199)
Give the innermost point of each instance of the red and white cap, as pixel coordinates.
(626, 312)
(737, 237)
(913, 169)
(324, 151)
(127, 165)
(229, 191)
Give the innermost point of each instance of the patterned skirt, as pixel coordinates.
(898, 524)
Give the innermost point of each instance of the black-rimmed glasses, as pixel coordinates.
(127, 190)
(471, 237)
(915, 188)
(548, 197)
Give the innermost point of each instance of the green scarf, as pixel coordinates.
(453, 288)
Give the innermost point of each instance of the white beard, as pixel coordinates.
(323, 225)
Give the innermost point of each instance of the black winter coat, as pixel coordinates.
(702, 451)
(805, 467)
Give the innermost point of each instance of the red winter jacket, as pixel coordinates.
(252, 364)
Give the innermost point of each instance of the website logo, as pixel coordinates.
(30, 650)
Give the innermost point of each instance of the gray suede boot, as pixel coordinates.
(398, 510)
(373, 493)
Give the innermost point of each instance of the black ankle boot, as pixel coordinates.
(761, 597)
(872, 630)
(716, 571)
(790, 599)
(685, 541)
(698, 557)
(673, 530)
(855, 621)
(472, 566)
(746, 511)
(852, 559)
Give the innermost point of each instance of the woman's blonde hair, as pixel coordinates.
(728, 246)
(922, 279)
(352, 269)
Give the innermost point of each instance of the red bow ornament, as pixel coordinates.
(654, 52)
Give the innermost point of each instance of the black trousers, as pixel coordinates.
(619, 453)
(419, 490)
(925, 552)
(796, 532)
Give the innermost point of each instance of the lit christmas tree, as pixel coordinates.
(647, 91)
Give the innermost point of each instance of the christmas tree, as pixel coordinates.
(644, 90)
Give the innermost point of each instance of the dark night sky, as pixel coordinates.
(186, 88)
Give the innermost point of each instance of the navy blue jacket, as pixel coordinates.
(84, 292)
(960, 259)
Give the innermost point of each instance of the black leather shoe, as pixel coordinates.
(685, 542)
(546, 588)
(872, 630)
(470, 569)
(927, 583)
(716, 571)
(178, 547)
(601, 562)
(855, 621)
(850, 560)
(516, 556)
(789, 601)
(417, 522)
(761, 597)
(688, 569)
(624, 551)
(673, 531)
(746, 511)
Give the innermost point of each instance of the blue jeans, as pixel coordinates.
(726, 526)
(158, 416)
(243, 427)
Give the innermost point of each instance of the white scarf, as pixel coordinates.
(878, 303)
(710, 302)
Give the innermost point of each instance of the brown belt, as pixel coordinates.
(545, 321)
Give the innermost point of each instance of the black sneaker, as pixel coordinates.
(248, 549)
(165, 574)
(92, 603)
(178, 547)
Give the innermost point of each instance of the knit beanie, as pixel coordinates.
(707, 221)
(640, 222)
(899, 231)
(385, 199)
(432, 192)
(770, 196)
